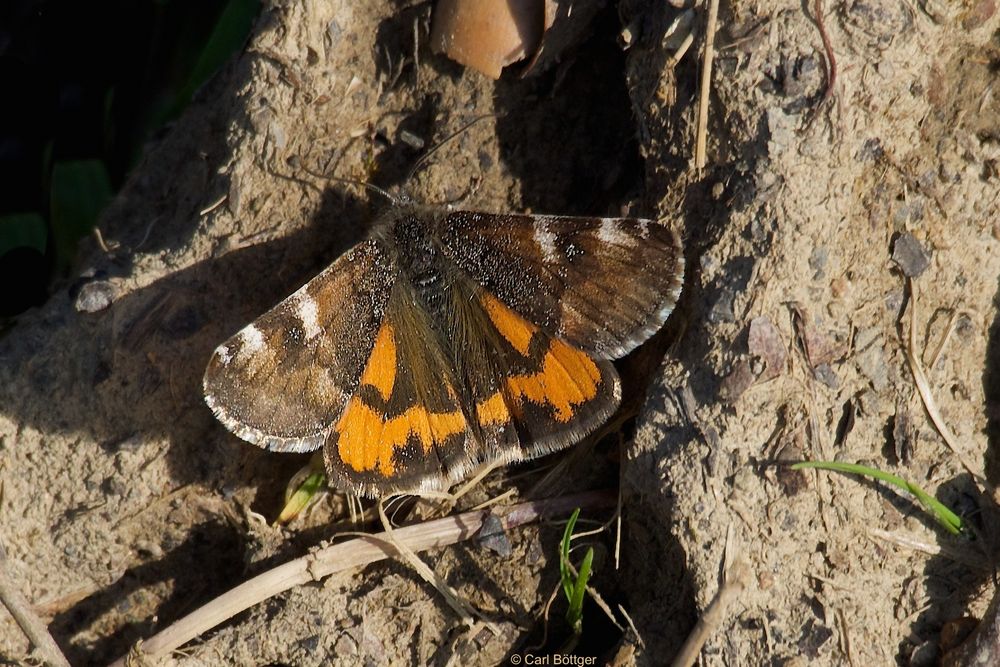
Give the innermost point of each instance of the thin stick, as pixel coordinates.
(450, 595)
(30, 624)
(348, 555)
(706, 80)
(961, 555)
(714, 615)
(831, 78)
(924, 388)
(952, 325)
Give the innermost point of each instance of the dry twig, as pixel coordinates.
(714, 615)
(30, 624)
(924, 387)
(706, 81)
(348, 555)
(831, 59)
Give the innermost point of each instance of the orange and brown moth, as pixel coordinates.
(447, 340)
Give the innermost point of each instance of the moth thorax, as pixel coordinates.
(420, 259)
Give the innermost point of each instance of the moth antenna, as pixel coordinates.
(350, 181)
(423, 158)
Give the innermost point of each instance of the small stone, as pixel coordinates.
(765, 342)
(345, 646)
(839, 287)
(737, 382)
(411, 140)
(309, 644)
(493, 537)
(825, 374)
(817, 261)
(722, 309)
(871, 362)
(904, 434)
(95, 296)
(908, 254)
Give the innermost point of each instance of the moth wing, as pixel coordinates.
(281, 381)
(604, 285)
(436, 399)
(532, 393)
(406, 428)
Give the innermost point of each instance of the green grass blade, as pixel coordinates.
(298, 500)
(574, 615)
(948, 519)
(565, 575)
(228, 36)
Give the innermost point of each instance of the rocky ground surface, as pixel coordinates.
(824, 217)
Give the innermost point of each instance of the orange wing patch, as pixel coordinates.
(514, 328)
(567, 378)
(493, 411)
(380, 372)
(366, 439)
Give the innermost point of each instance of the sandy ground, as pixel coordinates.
(124, 505)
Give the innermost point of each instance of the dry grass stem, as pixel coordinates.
(715, 614)
(923, 386)
(706, 80)
(450, 595)
(914, 543)
(348, 555)
(32, 626)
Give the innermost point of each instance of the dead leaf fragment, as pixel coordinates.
(487, 35)
(818, 347)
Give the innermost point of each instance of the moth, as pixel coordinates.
(447, 340)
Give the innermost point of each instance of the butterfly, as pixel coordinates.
(448, 340)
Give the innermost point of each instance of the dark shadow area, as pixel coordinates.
(88, 97)
(655, 580)
(568, 134)
(217, 545)
(141, 361)
(991, 393)
(953, 585)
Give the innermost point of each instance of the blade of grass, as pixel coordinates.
(574, 582)
(564, 572)
(228, 37)
(574, 615)
(298, 500)
(948, 519)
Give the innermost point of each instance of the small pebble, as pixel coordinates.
(95, 296)
(909, 255)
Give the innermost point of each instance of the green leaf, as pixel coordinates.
(944, 516)
(574, 587)
(79, 191)
(228, 37)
